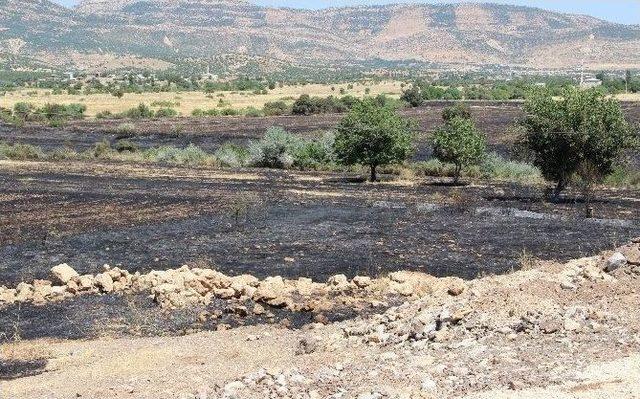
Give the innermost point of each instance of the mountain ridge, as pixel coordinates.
(166, 32)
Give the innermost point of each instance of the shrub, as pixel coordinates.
(374, 136)
(139, 112)
(104, 115)
(125, 129)
(20, 152)
(584, 127)
(102, 149)
(412, 96)
(126, 146)
(277, 149)
(166, 113)
(460, 143)
(275, 108)
(494, 166)
(192, 155)
(24, 111)
(316, 153)
(459, 110)
(229, 112)
(252, 112)
(61, 112)
(232, 155)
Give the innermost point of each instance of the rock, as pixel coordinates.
(457, 287)
(399, 277)
(362, 281)
(615, 262)
(270, 288)
(571, 325)
(224, 293)
(104, 282)
(404, 289)
(307, 345)
(63, 273)
(338, 281)
(85, 282)
(566, 285)
(428, 385)
(24, 292)
(631, 253)
(550, 326)
(258, 309)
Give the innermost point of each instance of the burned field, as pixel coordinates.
(494, 119)
(265, 223)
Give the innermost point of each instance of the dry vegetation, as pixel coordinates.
(186, 102)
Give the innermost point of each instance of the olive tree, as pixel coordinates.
(460, 143)
(583, 127)
(373, 135)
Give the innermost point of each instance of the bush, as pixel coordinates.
(232, 155)
(252, 112)
(125, 129)
(277, 149)
(166, 113)
(459, 110)
(192, 155)
(105, 115)
(20, 152)
(412, 96)
(126, 146)
(583, 128)
(314, 154)
(494, 166)
(61, 112)
(139, 112)
(24, 111)
(460, 143)
(275, 108)
(374, 136)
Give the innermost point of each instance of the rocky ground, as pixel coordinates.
(552, 330)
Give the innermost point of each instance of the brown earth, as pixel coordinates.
(556, 330)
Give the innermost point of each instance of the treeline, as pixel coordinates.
(52, 114)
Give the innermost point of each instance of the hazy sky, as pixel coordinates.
(624, 11)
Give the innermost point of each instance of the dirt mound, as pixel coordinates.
(557, 330)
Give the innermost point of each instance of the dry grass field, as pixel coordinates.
(185, 102)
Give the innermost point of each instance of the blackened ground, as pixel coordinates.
(257, 221)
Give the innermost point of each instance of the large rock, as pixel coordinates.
(615, 262)
(631, 253)
(104, 282)
(63, 273)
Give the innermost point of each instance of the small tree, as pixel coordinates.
(374, 136)
(459, 142)
(584, 127)
(459, 110)
(413, 96)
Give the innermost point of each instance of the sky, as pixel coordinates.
(622, 11)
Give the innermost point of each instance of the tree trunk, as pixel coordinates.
(456, 175)
(374, 176)
(559, 188)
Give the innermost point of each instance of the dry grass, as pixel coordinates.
(188, 101)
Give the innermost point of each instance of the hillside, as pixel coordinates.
(102, 34)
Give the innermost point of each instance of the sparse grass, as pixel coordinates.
(189, 101)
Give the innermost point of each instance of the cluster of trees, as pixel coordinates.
(577, 138)
(630, 83)
(50, 113)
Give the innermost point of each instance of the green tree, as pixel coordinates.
(459, 110)
(412, 96)
(374, 136)
(582, 128)
(459, 142)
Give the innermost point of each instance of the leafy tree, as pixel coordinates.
(413, 96)
(459, 110)
(459, 142)
(582, 128)
(374, 136)
(304, 105)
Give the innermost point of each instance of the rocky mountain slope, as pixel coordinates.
(194, 30)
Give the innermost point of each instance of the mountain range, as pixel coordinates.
(111, 34)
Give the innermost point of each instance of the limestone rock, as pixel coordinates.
(63, 273)
(104, 281)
